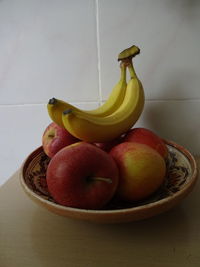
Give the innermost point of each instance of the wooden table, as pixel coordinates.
(32, 236)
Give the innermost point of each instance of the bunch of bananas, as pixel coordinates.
(117, 115)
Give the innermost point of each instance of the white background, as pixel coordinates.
(68, 49)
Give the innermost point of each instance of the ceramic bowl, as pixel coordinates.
(179, 182)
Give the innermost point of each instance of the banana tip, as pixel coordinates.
(52, 101)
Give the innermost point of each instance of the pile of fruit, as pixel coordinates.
(96, 155)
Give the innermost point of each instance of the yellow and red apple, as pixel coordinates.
(82, 176)
(55, 138)
(147, 137)
(141, 170)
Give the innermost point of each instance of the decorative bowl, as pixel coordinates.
(179, 182)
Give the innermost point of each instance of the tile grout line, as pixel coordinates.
(39, 104)
(95, 102)
(98, 50)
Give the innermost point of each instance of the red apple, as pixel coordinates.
(147, 137)
(107, 146)
(55, 138)
(141, 170)
(82, 176)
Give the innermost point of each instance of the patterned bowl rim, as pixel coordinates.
(186, 189)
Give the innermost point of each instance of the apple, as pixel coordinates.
(55, 138)
(147, 137)
(141, 170)
(107, 146)
(82, 176)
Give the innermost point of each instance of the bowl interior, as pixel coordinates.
(180, 171)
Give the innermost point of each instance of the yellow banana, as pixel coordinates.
(101, 129)
(56, 107)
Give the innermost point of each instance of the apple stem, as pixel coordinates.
(108, 180)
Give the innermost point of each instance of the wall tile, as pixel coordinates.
(167, 33)
(48, 48)
(21, 131)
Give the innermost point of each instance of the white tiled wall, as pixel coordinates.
(68, 49)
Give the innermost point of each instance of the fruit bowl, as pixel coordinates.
(179, 181)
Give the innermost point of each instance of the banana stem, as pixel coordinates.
(132, 70)
(123, 67)
(127, 62)
(129, 52)
(126, 57)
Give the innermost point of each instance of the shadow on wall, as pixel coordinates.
(176, 116)
(188, 9)
(174, 120)
(177, 84)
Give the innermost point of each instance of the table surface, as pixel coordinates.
(32, 236)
